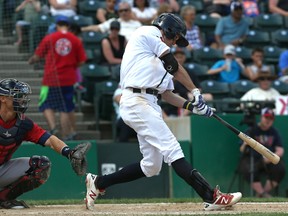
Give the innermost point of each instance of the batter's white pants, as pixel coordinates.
(156, 142)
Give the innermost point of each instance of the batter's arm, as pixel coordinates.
(173, 99)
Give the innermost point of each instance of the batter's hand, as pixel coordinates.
(77, 158)
(199, 105)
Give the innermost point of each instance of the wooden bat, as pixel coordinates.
(251, 142)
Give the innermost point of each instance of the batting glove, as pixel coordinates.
(198, 105)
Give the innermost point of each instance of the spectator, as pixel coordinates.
(31, 9)
(174, 5)
(128, 25)
(230, 68)
(63, 53)
(218, 8)
(283, 65)
(257, 65)
(65, 8)
(233, 28)
(278, 7)
(113, 46)
(164, 8)
(103, 14)
(268, 136)
(123, 132)
(143, 12)
(264, 92)
(193, 34)
(251, 8)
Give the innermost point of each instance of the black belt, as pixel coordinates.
(148, 91)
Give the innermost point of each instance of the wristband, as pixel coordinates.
(187, 105)
(66, 151)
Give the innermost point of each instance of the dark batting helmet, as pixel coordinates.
(172, 25)
(18, 90)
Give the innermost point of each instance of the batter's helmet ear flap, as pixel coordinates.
(172, 25)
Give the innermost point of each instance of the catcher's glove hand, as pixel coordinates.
(77, 158)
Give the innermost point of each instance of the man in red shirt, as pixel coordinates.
(19, 175)
(63, 53)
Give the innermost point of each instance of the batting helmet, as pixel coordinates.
(172, 25)
(18, 90)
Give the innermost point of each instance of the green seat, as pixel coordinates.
(272, 54)
(103, 100)
(92, 40)
(82, 20)
(89, 8)
(198, 70)
(268, 22)
(240, 87)
(115, 72)
(198, 4)
(207, 56)
(206, 23)
(244, 53)
(280, 38)
(93, 73)
(280, 86)
(257, 38)
(39, 28)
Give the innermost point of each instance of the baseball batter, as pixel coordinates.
(147, 70)
(20, 175)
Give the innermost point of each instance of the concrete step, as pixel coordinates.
(6, 40)
(20, 74)
(14, 65)
(39, 117)
(8, 49)
(80, 126)
(14, 57)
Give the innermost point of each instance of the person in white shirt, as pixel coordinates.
(147, 69)
(264, 92)
(143, 12)
(128, 25)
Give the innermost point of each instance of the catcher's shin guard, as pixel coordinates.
(37, 175)
(201, 186)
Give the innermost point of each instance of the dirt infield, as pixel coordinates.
(147, 209)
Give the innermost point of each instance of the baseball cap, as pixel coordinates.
(229, 49)
(115, 24)
(236, 5)
(267, 112)
(61, 18)
(262, 75)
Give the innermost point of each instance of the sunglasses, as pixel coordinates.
(124, 10)
(265, 78)
(114, 29)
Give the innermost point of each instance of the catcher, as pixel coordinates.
(20, 175)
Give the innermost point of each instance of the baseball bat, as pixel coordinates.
(251, 142)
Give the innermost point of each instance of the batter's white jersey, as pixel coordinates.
(141, 66)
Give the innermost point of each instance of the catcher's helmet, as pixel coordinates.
(172, 25)
(18, 90)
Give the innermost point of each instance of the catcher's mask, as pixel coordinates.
(172, 25)
(19, 91)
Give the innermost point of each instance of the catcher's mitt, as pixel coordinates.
(77, 158)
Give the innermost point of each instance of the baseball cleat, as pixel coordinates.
(13, 204)
(92, 192)
(222, 200)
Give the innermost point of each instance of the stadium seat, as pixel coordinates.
(81, 20)
(198, 4)
(244, 53)
(280, 86)
(93, 73)
(240, 87)
(272, 54)
(216, 88)
(89, 8)
(103, 100)
(206, 23)
(280, 38)
(115, 72)
(268, 22)
(257, 38)
(197, 69)
(207, 55)
(92, 40)
(39, 28)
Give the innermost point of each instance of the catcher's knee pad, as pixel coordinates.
(36, 175)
